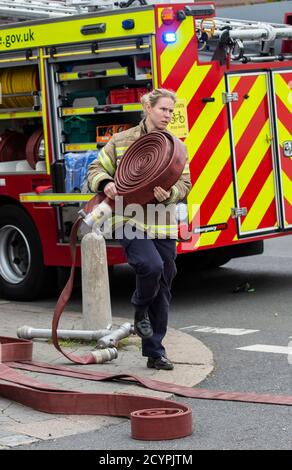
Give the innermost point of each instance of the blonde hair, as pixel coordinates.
(153, 96)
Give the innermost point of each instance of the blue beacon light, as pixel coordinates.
(169, 38)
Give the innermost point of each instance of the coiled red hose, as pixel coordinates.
(32, 147)
(155, 159)
(12, 146)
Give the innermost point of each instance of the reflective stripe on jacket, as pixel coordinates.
(104, 168)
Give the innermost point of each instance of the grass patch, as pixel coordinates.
(73, 343)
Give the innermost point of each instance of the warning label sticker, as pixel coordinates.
(179, 125)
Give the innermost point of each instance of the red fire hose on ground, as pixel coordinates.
(151, 418)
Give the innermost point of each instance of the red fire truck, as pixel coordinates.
(68, 82)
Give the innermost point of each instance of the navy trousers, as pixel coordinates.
(154, 263)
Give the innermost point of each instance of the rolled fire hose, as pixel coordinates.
(12, 146)
(32, 147)
(155, 159)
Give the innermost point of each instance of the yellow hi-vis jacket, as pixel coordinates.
(158, 220)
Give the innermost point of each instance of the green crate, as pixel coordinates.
(79, 129)
(100, 95)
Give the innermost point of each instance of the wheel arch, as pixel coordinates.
(7, 200)
(35, 285)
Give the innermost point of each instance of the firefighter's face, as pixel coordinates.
(160, 115)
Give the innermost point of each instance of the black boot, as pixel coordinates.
(160, 363)
(142, 325)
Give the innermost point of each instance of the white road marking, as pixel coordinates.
(219, 331)
(269, 348)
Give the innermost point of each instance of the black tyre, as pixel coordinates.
(199, 261)
(23, 275)
(218, 261)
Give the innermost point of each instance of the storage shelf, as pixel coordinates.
(82, 147)
(89, 74)
(101, 109)
(21, 166)
(55, 197)
(19, 114)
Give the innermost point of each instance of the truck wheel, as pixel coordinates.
(23, 275)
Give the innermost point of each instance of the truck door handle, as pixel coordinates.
(287, 148)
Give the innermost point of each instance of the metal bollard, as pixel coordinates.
(95, 283)
(112, 338)
(27, 332)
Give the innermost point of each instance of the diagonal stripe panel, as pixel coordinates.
(206, 150)
(168, 59)
(252, 160)
(269, 217)
(241, 119)
(286, 77)
(249, 106)
(252, 193)
(221, 214)
(205, 121)
(217, 131)
(247, 163)
(257, 182)
(283, 82)
(212, 169)
(206, 88)
(224, 179)
(288, 211)
(220, 156)
(284, 116)
(260, 206)
(283, 89)
(192, 80)
(181, 69)
(288, 189)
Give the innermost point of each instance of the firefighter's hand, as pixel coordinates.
(160, 194)
(110, 190)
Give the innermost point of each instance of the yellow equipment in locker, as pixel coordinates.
(16, 81)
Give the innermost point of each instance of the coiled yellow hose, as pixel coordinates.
(18, 81)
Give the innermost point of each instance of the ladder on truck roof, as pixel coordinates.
(19, 10)
(235, 38)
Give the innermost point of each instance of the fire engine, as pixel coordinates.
(71, 77)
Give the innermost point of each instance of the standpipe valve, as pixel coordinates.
(98, 215)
